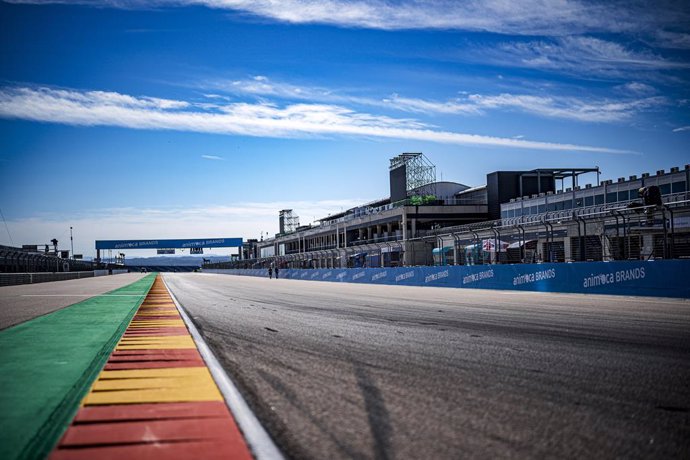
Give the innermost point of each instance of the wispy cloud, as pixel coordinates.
(580, 55)
(457, 106)
(263, 86)
(636, 88)
(681, 129)
(674, 40)
(212, 157)
(259, 119)
(527, 17)
(571, 108)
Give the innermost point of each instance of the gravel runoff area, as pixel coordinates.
(363, 371)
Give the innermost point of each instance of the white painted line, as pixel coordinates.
(259, 441)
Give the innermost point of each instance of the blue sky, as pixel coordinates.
(175, 119)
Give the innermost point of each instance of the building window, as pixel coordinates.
(623, 195)
(568, 204)
(542, 208)
(611, 197)
(665, 189)
(533, 210)
(599, 199)
(589, 201)
(678, 187)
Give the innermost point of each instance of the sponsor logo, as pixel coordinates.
(534, 277)
(404, 276)
(477, 276)
(378, 276)
(602, 279)
(182, 243)
(436, 276)
(359, 275)
(327, 274)
(136, 244)
(203, 243)
(340, 275)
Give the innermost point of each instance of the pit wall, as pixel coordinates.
(667, 278)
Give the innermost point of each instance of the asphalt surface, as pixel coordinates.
(27, 301)
(362, 371)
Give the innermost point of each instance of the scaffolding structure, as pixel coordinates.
(420, 172)
(288, 222)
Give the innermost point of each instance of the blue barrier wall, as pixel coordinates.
(667, 278)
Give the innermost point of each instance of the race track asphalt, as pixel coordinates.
(383, 372)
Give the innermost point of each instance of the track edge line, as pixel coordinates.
(258, 439)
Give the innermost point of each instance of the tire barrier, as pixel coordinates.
(660, 278)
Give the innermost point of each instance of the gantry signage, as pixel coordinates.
(169, 244)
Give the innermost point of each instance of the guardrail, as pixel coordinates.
(13, 279)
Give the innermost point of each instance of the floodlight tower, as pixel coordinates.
(411, 174)
(287, 221)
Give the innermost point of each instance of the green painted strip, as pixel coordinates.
(48, 364)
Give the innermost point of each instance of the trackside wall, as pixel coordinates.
(666, 278)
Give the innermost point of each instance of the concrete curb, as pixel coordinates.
(257, 438)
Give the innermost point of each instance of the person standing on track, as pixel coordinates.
(276, 272)
(270, 272)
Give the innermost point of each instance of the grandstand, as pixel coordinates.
(19, 260)
(26, 266)
(517, 217)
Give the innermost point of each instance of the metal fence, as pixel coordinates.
(589, 234)
(640, 233)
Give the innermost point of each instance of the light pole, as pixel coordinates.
(71, 241)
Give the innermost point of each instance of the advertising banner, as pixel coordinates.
(665, 278)
(167, 244)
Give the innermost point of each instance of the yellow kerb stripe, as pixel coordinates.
(153, 385)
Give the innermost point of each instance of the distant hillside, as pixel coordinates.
(195, 261)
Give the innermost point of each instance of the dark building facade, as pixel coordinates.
(502, 186)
